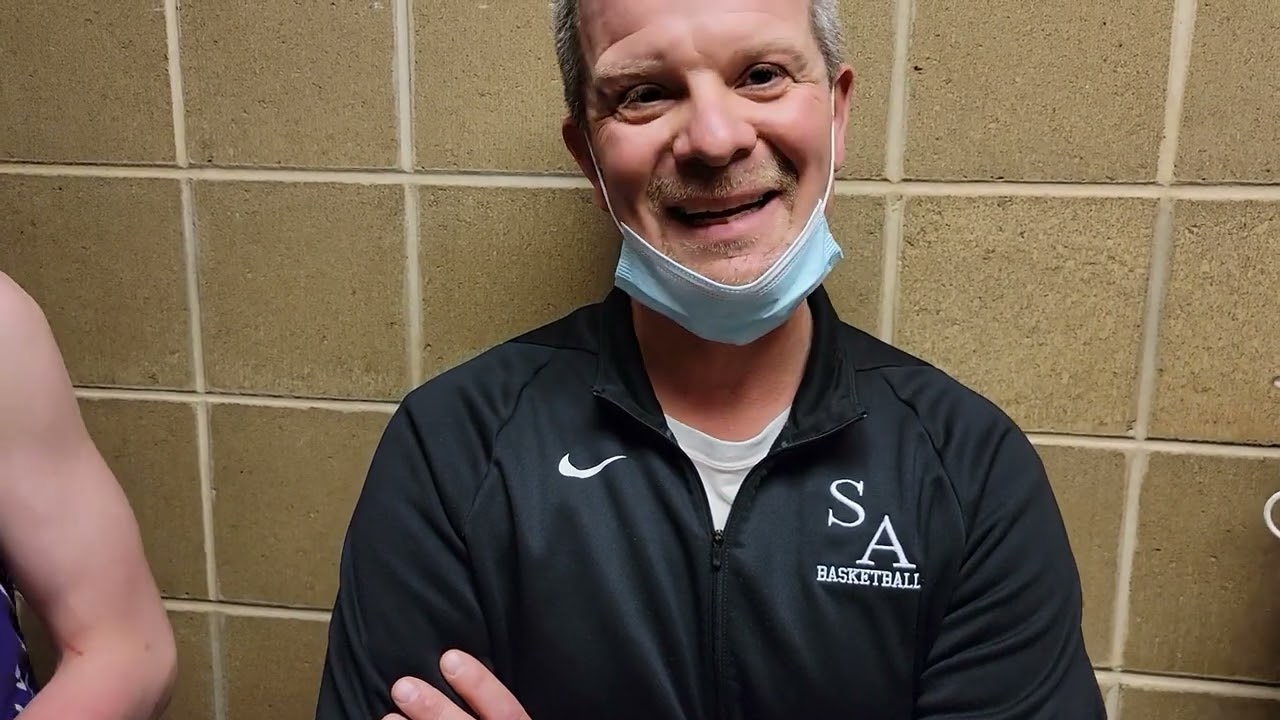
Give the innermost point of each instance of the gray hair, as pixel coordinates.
(824, 18)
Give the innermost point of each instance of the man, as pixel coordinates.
(706, 497)
(70, 543)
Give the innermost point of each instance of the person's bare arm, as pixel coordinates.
(70, 538)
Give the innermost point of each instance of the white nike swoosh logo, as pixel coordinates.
(568, 470)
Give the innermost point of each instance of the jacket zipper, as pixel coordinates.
(718, 542)
(717, 640)
(718, 573)
(718, 592)
(717, 556)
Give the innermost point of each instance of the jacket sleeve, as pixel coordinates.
(1010, 644)
(405, 593)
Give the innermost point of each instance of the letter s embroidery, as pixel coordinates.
(847, 502)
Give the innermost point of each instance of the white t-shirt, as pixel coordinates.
(723, 465)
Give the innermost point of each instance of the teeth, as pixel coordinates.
(709, 214)
(720, 213)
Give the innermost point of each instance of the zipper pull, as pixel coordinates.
(717, 543)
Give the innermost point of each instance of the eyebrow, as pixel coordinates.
(772, 47)
(616, 72)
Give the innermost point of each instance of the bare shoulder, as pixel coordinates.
(33, 377)
(22, 322)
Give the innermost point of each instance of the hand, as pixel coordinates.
(471, 679)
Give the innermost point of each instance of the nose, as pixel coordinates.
(713, 133)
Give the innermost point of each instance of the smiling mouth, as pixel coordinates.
(714, 217)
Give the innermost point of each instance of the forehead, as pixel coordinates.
(670, 27)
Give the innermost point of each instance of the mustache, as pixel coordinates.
(717, 183)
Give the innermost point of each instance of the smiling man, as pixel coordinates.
(706, 496)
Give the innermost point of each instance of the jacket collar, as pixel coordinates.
(826, 400)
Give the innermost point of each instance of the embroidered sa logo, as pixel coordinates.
(864, 571)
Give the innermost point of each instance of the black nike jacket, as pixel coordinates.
(899, 553)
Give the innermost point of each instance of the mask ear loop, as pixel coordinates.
(1267, 511)
(600, 178)
(831, 165)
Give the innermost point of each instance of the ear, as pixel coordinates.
(843, 89)
(575, 139)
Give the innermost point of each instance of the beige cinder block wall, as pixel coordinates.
(254, 226)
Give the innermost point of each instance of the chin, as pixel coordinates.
(740, 269)
(736, 262)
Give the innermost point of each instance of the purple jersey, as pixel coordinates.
(16, 686)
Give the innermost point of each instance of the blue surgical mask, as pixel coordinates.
(731, 314)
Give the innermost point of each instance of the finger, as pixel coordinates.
(490, 699)
(394, 716)
(419, 701)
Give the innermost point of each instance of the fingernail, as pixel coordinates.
(451, 663)
(404, 691)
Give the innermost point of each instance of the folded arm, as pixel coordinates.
(405, 593)
(1010, 646)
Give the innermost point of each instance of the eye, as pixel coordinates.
(762, 75)
(641, 95)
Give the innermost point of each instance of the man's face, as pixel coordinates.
(711, 122)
